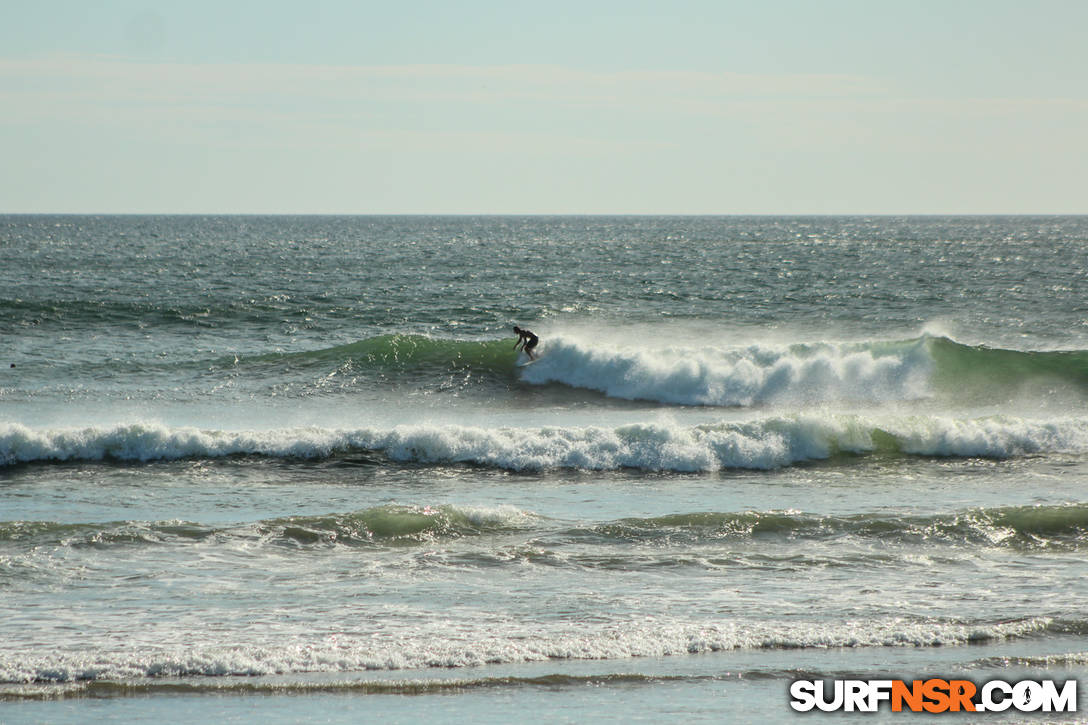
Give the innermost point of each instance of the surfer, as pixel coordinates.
(527, 340)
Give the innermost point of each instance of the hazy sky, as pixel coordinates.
(756, 107)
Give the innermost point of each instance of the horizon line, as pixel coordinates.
(544, 214)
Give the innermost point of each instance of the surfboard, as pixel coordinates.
(530, 362)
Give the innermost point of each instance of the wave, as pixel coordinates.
(387, 525)
(673, 375)
(353, 686)
(743, 377)
(873, 372)
(760, 444)
(867, 372)
(1020, 527)
(504, 644)
(411, 355)
(983, 372)
(356, 684)
(729, 376)
(1017, 527)
(1064, 660)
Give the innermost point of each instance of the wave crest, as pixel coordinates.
(760, 444)
(755, 375)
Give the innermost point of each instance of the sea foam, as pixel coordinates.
(766, 443)
(438, 646)
(746, 376)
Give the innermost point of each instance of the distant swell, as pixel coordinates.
(762, 444)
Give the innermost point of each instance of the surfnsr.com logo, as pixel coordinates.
(934, 695)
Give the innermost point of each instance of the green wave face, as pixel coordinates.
(1027, 528)
(986, 373)
(406, 355)
(1017, 527)
(396, 525)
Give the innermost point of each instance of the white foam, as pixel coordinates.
(661, 446)
(743, 376)
(434, 645)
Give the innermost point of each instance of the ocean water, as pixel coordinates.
(286, 469)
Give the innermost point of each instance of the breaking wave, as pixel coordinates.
(767, 443)
(348, 653)
(867, 372)
(870, 372)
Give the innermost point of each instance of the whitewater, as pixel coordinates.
(293, 461)
(763, 444)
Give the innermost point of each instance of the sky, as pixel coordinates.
(607, 107)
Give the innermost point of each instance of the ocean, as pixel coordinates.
(288, 469)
